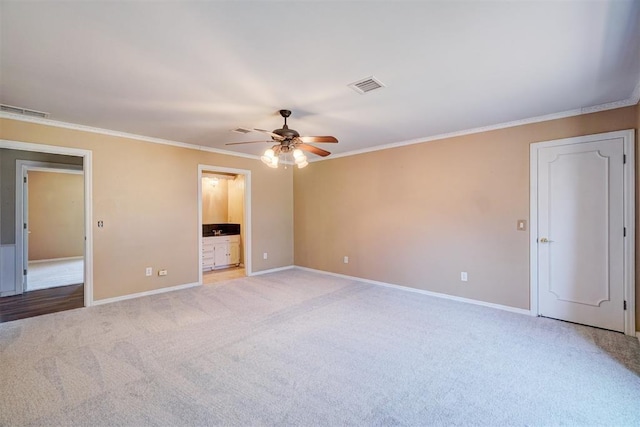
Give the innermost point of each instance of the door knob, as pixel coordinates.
(545, 240)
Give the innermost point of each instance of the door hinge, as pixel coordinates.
(24, 225)
(624, 158)
(24, 272)
(625, 305)
(624, 232)
(24, 179)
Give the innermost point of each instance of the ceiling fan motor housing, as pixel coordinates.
(285, 132)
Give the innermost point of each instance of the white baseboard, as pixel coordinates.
(146, 293)
(272, 270)
(71, 258)
(422, 291)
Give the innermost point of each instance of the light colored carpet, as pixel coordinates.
(51, 274)
(300, 348)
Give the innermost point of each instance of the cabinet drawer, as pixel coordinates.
(224, 239)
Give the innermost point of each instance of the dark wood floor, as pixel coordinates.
(43, 301)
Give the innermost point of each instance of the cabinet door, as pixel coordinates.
(234, 253)
(221, 257)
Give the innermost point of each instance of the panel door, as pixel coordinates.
(221, 254)
(580, 233)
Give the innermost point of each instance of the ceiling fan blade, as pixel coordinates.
(248, 142)
(271, 134)
(312, 149)
(317, 139)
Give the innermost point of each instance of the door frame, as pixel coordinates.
(246, 213)
(87, 167)
(629, 218)
(23, 167)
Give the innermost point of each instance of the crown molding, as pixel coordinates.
(73, 126)
(633, 100)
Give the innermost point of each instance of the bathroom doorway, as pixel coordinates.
(224, 197)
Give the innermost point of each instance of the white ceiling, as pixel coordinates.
(192, 71)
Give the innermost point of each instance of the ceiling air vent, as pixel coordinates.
(366, 85)
(241, 130)
(23, 111)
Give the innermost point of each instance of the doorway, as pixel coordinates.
(16, 298)
(583, 230)
(224, 223)
(51, 224)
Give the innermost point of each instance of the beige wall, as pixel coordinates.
(236, 199)
(8, 185)
(56, 215)
(215, 201)
(419, 215)
(147, 196)
(236, 208)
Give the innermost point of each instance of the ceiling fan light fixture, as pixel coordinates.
(268, 157)
(299, 158)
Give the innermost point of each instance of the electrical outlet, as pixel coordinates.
(162, 272)
(148, 271)
(265, 255)
(346, 260)
(463, 276)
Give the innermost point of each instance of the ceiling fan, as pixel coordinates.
(290, 141)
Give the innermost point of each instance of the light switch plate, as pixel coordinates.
(522, 225)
